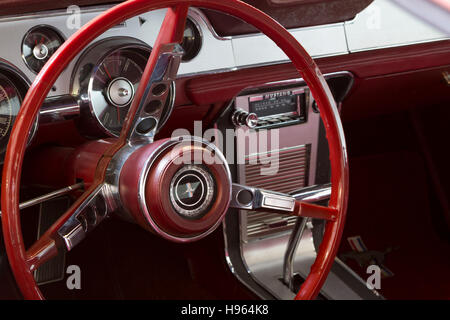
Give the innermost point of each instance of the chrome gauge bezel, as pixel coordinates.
(22, 84)
(89, 123)
(198, 39)
(61, 37)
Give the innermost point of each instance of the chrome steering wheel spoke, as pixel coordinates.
(147, 118)
(299, 203)
(86, 217)
(250, 198)
(82, 217)
(145, 113)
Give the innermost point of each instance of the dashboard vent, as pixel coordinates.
(291, 175)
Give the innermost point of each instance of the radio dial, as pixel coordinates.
(243, 118)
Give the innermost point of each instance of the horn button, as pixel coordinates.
(192, 191)
(179, 190)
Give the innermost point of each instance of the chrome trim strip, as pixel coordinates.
(313, 193)
(164, 74)
(261, 199)
(61, 108)
(49, 196)
(197, 14)
(252, 285)
(74, 230)
(309, 194)
(289, 256)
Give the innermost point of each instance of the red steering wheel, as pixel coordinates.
(141, 187)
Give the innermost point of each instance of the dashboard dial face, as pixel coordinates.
(10, 101)
(192, 41)
(38, 46)
(113, 85)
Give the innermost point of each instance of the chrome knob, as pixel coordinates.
(120, 92)
(243, 118)
(40, 51)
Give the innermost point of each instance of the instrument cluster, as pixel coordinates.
(103, 81)
(13, 87)
(39, 44)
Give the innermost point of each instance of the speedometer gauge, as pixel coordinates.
(38, 46)
(192, 41)
(105, 81)
(113, 86)
(9, 107)
(13, 87)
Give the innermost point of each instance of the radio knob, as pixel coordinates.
(243, 118)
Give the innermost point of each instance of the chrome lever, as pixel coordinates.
(147, 119)
(309, 194)
(49, 196)
(249, 198)
(294, 241)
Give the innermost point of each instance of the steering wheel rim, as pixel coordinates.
(17, 254)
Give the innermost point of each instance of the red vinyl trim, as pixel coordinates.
(210, 89)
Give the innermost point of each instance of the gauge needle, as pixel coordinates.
(104, 67)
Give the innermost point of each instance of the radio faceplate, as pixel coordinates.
(256, 242)
(287, 135)
(277, 108)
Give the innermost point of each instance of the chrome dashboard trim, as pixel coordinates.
(196, 13)
(57, 109)
(314, 193)
(49, 196)
(58, 32)
(200, 31)
(74, 230)
(289, 256)
(261, 199)
(93, 55)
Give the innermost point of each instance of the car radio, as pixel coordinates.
(279, 108)
(283, 143)
(284, 111)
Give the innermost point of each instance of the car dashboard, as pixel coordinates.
(97, 87)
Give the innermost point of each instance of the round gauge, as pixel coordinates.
(38, 46)
(192, 41)
(112, 87)
(10, 101)
(106, 79)
(13, 87)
